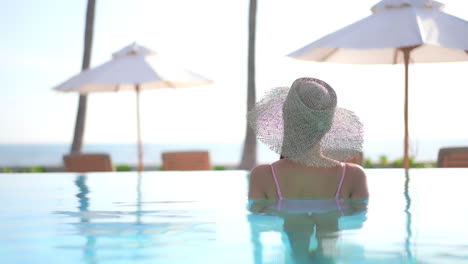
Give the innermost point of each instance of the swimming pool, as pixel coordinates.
(202, 217)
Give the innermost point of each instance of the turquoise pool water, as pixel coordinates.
(202, 217)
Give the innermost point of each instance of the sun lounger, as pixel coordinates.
(190, 160)
(87, 162)
(453, 158)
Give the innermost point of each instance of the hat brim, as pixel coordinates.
(341, 142)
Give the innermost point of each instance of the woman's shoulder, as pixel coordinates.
(262, 169)
(355, 171)
(357, 177)
(258, 179)
(353, 168)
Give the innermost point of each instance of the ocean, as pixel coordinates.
(221, 154)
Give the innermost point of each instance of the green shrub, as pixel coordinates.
(6, 170)
(219, 167)
(413, 164)
(368, 163)
(122, 167)
(398, 163)
(34, 169)
(383, 160)
(37, 169)
(418, 165)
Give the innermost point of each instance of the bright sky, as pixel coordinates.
(42, 46)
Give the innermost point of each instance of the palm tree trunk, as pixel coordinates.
(77, 145)
(249, 155)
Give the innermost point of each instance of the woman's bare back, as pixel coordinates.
(297, 181)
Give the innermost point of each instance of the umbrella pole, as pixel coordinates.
(406, 54)
(140, 147)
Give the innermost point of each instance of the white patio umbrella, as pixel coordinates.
(135, 68)
(398, 31)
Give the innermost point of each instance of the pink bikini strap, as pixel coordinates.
(338, 191)
(278, 189)
(343, 173)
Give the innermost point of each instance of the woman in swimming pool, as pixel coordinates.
(309, 182)
(314, 138)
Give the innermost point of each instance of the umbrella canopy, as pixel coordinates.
(131, 66)
(398, 31)
(135, 68)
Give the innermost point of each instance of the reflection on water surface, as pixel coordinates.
(204, 217)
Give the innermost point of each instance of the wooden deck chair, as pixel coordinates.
(183, 161)
(453, 157)
(87, 162)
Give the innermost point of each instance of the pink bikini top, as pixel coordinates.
(338, 190)
(310, 205)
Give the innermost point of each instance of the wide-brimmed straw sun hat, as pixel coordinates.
(304, 124)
